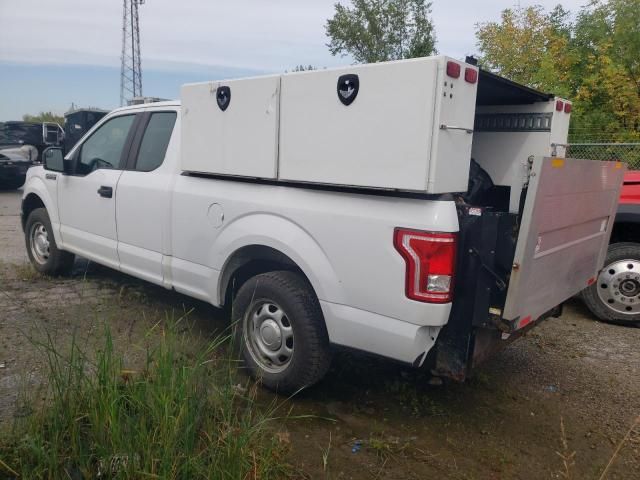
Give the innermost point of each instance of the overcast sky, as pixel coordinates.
(69, 50)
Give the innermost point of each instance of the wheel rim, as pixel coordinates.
(268, 336)
(619, 286)
(39, 243)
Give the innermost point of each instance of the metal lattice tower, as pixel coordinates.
(130, 69)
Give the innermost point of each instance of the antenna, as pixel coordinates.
(130, 68)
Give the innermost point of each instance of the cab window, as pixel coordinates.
(103, 149)
(155, 141)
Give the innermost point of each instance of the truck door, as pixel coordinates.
(143, 203)
(86, 198)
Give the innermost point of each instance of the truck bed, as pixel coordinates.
(343, 242)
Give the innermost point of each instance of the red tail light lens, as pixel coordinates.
(567, 108)
(430, 264)
(559, 105)
(453, 69)
(471, 75)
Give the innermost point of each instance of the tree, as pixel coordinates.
(528, 46)
(381, 30)
(607, 42)
(44, 117)
(593, 60)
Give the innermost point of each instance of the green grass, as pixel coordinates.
(25, 271)
(181, 415)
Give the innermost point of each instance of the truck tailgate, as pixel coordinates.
(566, 224)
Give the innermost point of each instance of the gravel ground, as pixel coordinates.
(570, 388)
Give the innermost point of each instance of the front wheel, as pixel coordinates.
(41, 245)
(615, 297)
(280, 331)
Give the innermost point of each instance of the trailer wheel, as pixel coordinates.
(615, 297)
(280, 331)
(43, 252)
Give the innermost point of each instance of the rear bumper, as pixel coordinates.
(385, 336)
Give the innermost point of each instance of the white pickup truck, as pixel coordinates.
(339, 207)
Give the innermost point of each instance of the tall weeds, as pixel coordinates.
(181, 415)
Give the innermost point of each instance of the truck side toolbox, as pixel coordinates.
(231, 127)
(404, 125)
(389, 136)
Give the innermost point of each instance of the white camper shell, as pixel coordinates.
(410, 125)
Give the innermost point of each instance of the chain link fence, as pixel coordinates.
(628, 153)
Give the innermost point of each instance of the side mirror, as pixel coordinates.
(53, 160)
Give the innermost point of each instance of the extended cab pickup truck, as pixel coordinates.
(328, 210)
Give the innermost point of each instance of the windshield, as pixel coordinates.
(12, 133)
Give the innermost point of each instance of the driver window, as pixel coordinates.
(103, 148)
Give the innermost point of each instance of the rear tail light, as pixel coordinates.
(453, 69)
(559, 105)
(430, 264)
(567, 108)
(471, 75)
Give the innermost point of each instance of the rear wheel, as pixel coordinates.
(41, 245)
(615, 297)
(280, 331)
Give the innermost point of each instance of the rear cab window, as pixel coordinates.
(155, 141)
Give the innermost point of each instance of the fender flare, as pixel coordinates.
(35, 186)
(282, 235)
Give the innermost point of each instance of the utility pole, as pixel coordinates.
(130, 68)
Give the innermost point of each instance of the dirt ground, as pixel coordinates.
(554, 404)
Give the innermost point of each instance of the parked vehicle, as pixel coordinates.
(77, 122)
(358, 207)
(14, 164)
(616, 295)
(21, 145)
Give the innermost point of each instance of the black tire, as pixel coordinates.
(49, 260)
(300, 317)
(601, 297)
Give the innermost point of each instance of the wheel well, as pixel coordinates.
(625, 232)
(249, 261)
(29, 204)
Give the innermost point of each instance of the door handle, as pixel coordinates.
(50, 176)
(453, 127)
(106, 192)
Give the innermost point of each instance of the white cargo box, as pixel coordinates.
(409, 127)
(404, 125)
(231, 127)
